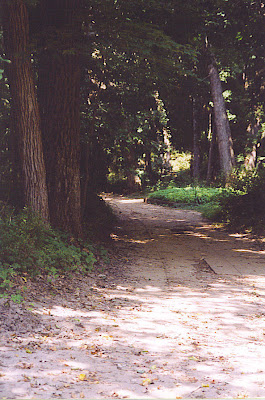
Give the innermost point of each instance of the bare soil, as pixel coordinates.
(178, 313)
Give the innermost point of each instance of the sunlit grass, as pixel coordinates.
(188, 195)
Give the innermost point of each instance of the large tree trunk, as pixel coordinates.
(59, 94)
(196, 140)
(25, 111)
(225, 143)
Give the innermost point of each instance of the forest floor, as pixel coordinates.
(178, 313)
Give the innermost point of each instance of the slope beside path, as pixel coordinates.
(179, 313)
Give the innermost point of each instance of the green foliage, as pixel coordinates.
(211, 211)
(144, 61)
(29, 246)
(243, 205)
(188, 195)
(2, 60)
(6, 275)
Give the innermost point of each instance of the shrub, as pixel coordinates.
(28, 245)
(212, 211)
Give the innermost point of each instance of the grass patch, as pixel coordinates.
(211, 202)
(191, 195)
(241, 206)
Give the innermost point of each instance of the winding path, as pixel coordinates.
(178, 314)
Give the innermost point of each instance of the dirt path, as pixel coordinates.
(179, 315)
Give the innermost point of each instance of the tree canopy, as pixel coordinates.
(120, 85)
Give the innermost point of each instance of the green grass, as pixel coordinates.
(192, 195)
(239, 207)
(209, 201)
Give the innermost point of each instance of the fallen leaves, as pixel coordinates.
(82, 377)
(194, 358)
(147, 381)
(28, 351)
(24, 365)
(26, 378)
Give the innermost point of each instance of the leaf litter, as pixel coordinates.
(147, 327)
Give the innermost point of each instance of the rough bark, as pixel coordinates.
(196, 140)
(25, 110)
(225, 143)
(59, 95)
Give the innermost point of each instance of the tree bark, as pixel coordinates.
(196, 140)
(25, 110)
(59, 95)
(225, 143)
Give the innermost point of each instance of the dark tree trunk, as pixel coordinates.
(85, 174)
(196, 140)
(25, 110)
(59, 94)
(225, 143)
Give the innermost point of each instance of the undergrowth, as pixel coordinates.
(188, 195)
(240, 206)
(30, 247)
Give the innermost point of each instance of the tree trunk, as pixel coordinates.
(166, 156)
(225, 143)
(196, 140)
(211, 156)
(25, 110)
(59, 94)
(251, 158)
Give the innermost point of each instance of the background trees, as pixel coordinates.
(132, 82)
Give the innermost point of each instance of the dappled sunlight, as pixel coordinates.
(130, 240)
(178, 339)
(165, 326)
(148, 289)
(250, 251)
(130, 201)
(63, 312)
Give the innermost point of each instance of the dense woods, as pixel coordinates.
(109, 108)
(103, 95)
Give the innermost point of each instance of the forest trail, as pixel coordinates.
(179, 314)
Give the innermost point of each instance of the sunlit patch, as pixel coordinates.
(149, 289)
(75, 365)
(250, 251)
(128, 201)
(66, 312)
(19, 391)
(130, 240)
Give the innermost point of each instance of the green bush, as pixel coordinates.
(28, 245)
(212, 211)
(244, 207)
(241, 205)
